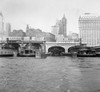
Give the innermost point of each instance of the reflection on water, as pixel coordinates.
(53, 74)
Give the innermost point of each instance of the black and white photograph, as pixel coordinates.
(49, 45)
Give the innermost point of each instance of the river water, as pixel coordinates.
(53, 74)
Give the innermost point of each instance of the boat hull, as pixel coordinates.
(86, 55)
(9, 55)
(25, 55)
(98, 54)
(6, 53)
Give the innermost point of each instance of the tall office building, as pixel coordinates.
(1, 25)
(60, 27)
(89, 26)
(55, 28)
(8, 29)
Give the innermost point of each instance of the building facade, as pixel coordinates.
(73, 37)
(8, 29)
(17, 33)
(89, 27)
(38, 33)
(60, 27)
(55, 29)
(1, 25)
(59, 38)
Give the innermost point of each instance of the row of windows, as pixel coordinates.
(2, 52)
(91, 23)
(89, 29)
(23, 38)
(89, 18)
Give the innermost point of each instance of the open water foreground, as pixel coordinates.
(53, 74)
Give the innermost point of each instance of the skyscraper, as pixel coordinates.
(89, 26)
(8, 29)
(60, 27)
(55, 28)
(1, 25)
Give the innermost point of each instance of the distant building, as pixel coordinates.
(55, 29)
(27, 28)
(60, 27)
(18, 33)
(49, 37)
(59, 38)
(1, 25)
(89, 27)
(73, 37)
(8, 29)
(31, 32)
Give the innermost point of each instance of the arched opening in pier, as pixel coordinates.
(56, 50)
(74, 49)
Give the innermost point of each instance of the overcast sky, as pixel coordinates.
(44, 13)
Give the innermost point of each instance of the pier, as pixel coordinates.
(38, 44)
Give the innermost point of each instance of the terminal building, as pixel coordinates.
(89, 27)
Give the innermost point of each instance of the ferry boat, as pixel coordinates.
(86, 53)
(30, 51)
(98, 53)
(6, 52)
(25, 52)
(97, 49)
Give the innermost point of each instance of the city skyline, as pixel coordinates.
(43, 14)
